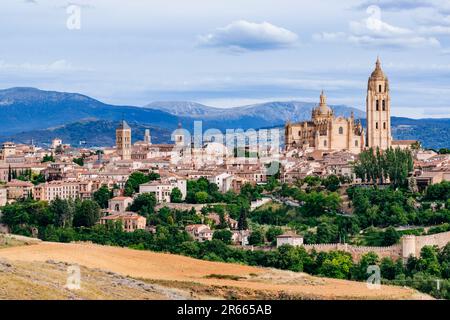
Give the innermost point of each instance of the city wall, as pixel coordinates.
(409, 245)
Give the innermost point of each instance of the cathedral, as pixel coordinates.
(326, 132)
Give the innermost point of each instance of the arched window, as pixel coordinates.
(384, 125)
(377, 105)
(341, 130)
(324, 143)
(379, 88)
(117, 207)
(356, 143)
(376, 125)
(384, 105)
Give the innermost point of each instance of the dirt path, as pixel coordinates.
(168, 267)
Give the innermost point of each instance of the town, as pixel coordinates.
(342, 196)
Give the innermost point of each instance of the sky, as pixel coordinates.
(227, 53)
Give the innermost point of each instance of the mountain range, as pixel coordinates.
(30, 113)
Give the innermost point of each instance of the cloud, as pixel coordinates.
(373, 31)
(30, 1)
(244, 36)
(56, 66)
(396, 5)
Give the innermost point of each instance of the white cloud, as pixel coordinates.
(249, 36)
(373, 31)
(56, 66)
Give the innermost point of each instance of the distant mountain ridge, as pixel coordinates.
(276, 111)
(30, 113)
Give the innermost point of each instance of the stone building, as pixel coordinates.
(378, 110)
(328, 133)
(123, 140)
(325, 132)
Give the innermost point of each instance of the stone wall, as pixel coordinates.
(411, 245)
(357, 252)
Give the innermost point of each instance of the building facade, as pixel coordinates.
(378, 110)
(123, 140)
(325, 132)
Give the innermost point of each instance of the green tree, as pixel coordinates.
(102, 196)
(223, 235)
(135, 180)
(63, 211)
(272, 233)
(331, 183)
(176, 196)
(201, 197)
(337, 264)
(256, 238)
(144, 203)
(87, 213)
(48, 158)
(390, 236)
(79, 161)
(242, 222)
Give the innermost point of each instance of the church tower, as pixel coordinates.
(378, 110)
(147, 137)
(123, 140)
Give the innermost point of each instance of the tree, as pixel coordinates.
(337, 264)
(272, 233)
(87, 213)
(9, 173)
(135, 179)
(327, 233)
(144, 203)
(48, 158)
(176, 196)
(201, 197)
(256, 238)
(319, 203)
(223, 235)
(242, 222)
(361, 268)
(102, 196)
(374, 166)
(79, 161)
(390, 236)
(331, 183)
(63, 211)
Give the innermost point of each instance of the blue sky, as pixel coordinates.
(231, 52)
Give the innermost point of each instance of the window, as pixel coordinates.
(379, 88)
(356, 143)
(378, 106)
(341, 130)
(325, 143)
(384, 125)
(376, 125)
(384, 105)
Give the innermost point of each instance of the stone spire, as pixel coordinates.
(378, 72)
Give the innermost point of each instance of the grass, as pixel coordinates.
(224, 276)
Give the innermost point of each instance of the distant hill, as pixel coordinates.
(26, 109)
(98, 133)
(277, 112)
(29, 113)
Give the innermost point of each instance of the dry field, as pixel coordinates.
(151, 275)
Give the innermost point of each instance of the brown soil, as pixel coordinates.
(203, 279)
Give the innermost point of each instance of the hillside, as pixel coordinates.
(201, 279)
(29, 113)
(27, 109)
(274, 113)
(91, 133)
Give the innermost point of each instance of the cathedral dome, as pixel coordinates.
(378, 72)
(322, 108)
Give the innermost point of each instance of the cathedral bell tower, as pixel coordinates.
(378, 110)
